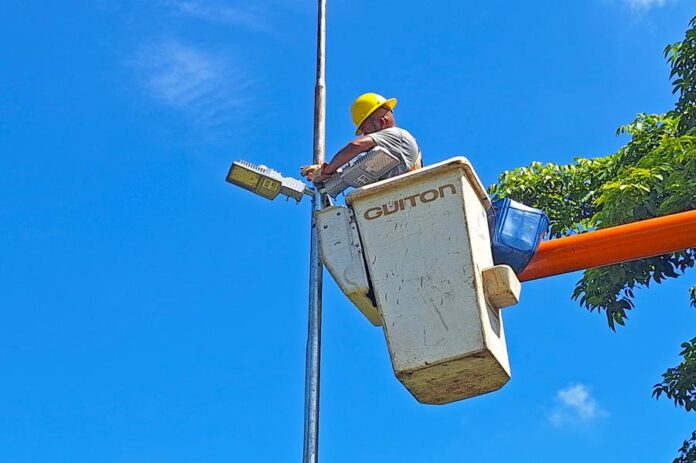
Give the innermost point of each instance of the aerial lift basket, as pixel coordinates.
(415, 257)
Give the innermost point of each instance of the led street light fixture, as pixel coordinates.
(363, 170)
(266, 182)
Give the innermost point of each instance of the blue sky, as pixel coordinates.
(153, 313)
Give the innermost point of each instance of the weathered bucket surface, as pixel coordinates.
(425, 238)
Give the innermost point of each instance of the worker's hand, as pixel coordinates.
(308, 171)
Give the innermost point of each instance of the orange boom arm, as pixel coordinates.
(637, 240)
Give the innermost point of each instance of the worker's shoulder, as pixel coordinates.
(395, 129)
(399, 132)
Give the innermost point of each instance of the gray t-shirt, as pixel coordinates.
(401, 144)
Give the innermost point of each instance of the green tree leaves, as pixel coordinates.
(687, 453)
(677, 383)
(682, 58)
(653, 175)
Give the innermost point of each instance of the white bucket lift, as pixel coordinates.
(413, 254)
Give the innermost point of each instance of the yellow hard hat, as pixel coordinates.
(365, 105)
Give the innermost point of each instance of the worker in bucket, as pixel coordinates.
(373, 116)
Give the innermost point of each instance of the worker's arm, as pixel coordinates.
(348, 152)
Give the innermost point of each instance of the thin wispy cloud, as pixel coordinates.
(253, 19)
(206, 86)
(575, 404)
(644, 5)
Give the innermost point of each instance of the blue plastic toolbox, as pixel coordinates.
(516, 231)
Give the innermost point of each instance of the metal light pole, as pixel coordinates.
(311, 418)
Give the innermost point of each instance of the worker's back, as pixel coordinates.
(401, 144)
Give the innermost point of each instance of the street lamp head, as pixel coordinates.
(266, 182)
